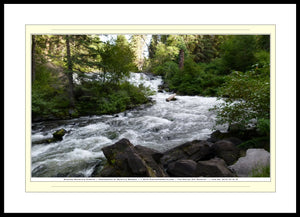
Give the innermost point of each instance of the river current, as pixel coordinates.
(160, 126)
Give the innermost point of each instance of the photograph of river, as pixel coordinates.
(150, 106)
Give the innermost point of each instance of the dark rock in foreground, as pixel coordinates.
(182, 168)
(191, 159)
(195, 150)
(215, 167)
(198, 158)
(227, 151)
(125, 160)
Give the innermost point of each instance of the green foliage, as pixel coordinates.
(117, 61)
(257, 142)
(194, 79)
(263, 127)
(49, 97)
(113, 60)
(152, 46)
(167, 69)
(164, 54)
(246, 96)
(96, 98)
(262, 140)
(235, 67)
(136, 44)
(261, 171)
(237, 53)
(204, 48)
(263, 42)
(186, 81)
(262, 59)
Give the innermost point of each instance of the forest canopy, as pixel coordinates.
(75, 75)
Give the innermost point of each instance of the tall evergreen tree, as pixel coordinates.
(137, 44)
(152, 46)
(70, 72)
(33, 64)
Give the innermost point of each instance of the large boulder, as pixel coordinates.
(125, 160)
(182, 168)
(254, 159)
(226, 150)
(152, 159)
(195, 150)
(215, 167)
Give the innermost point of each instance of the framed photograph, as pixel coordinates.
(150, 108)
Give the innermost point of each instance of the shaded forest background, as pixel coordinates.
(77, 75)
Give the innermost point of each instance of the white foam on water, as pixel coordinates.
(161, 126)
(40, 136)
(78, 154)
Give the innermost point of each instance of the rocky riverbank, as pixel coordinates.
(235, 153)
(219, 156)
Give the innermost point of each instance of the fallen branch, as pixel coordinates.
(172, 97)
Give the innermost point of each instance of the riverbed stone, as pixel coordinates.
(124, 160)
(236, 141)
(58, 135)
(152, 159)
(234, 131)
(226, 150)
(215, 167)
(254, 159)
(195, 150)
(182, 168)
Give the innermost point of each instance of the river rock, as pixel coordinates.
(58, 135)
(236, 141)
(226, 150)
(234, 131)
(182, 168)
(195, 150)
(124, 160)
(255, 158)
(217, 135)
(215, 167)
(152, 159)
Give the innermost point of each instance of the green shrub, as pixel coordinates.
(257, 142)
(49, 97)
(237, 53)
(246, 96)
(167, 69)
(94, 98)
(263, 126)
(195, 79)
(261, 171)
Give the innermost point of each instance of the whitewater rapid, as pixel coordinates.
(160, 126)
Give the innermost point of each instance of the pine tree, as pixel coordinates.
(33, 64)
(70, 72)
(137, 44)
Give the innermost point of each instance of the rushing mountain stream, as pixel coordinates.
(160, 126)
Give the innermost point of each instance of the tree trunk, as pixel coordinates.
(181, 59)
(70, 73)
(33, 59)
